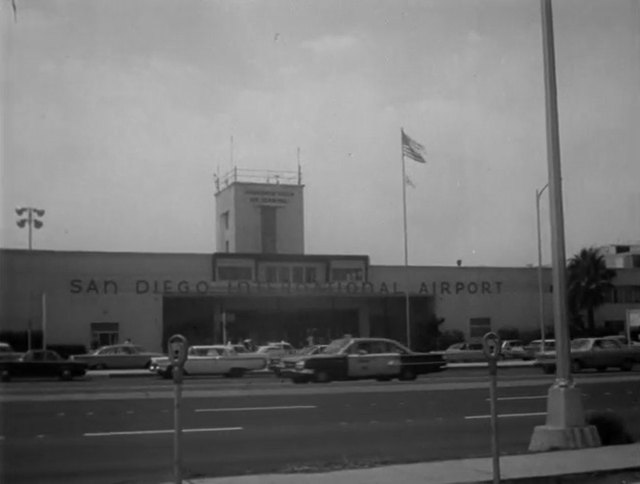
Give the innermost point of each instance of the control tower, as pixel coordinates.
(260, 211)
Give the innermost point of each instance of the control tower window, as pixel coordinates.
(268, 229)
(224, 220)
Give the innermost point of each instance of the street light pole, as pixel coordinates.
(565, 426)
(540, 294)
(32, 220)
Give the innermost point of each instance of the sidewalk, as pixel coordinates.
(544, 467)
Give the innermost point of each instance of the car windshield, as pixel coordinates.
(335, 346)
(310, 350)
(580, 344)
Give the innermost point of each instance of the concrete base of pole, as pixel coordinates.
(566, 427)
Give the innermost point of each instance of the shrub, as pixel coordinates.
(610, 427)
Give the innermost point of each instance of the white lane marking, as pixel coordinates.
(61, 414)
(129, 412)
(251, 409)
(507, 415)
(608, 394)
(150, 432)
(40, 436)
(89, 413)
(521, 398)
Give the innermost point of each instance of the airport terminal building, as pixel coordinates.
(261, 285)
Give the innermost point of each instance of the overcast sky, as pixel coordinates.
(116, 114)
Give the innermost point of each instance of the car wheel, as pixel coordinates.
(5, 376)
(100, 366)
(576, 366)
(548, 369)
(383, 378)
(322, 377)
(168, 373)
(65, 374)
(300, 379)
(627, 365)
(407, 374)
(236, 372)
(601, 368)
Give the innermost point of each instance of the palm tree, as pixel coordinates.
(589, 282)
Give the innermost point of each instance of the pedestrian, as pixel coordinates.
(128, 341)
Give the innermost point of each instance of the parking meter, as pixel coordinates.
(491, 347)
(177, 351)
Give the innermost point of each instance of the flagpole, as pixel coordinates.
(406, 246)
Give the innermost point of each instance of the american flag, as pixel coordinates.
(412, 149)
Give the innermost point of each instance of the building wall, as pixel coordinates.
(86, 287)
(508, 296)
(128, 288)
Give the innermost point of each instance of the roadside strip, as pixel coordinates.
(506, 415)
(153, 432)
(250, 409)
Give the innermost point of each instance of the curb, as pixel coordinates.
(596, 477)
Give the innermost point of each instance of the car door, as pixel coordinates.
(386, 359)
(198, 361)
(361, 361)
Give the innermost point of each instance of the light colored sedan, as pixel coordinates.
(464, 353)
(212, 360)
(124, 356)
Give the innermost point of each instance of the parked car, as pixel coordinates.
(7, 353)
(597, 353)
(41, 363)
(124, 356)
(512, 349)
(535, 347)
(212, 360)
(276, 351)
(361, 358)
(465, 352)
(289, 362)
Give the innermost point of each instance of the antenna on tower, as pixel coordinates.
(299, 167)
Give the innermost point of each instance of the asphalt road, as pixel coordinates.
(112, 431)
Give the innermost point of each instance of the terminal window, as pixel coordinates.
(104, 334)
(346, 274)
(235, 273)
(298, 274)
(283, 274)
(310, 275)
(478, 327)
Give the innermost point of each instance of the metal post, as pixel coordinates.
(566, 426)
(563, 376)
(224, 327)
(44, 320)
(540, 293)
(30, 222)
(177, 425)
(177, 350)
(491, 348)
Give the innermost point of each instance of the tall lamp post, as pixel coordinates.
(32, 220)
(566, 426)
(540, 295)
